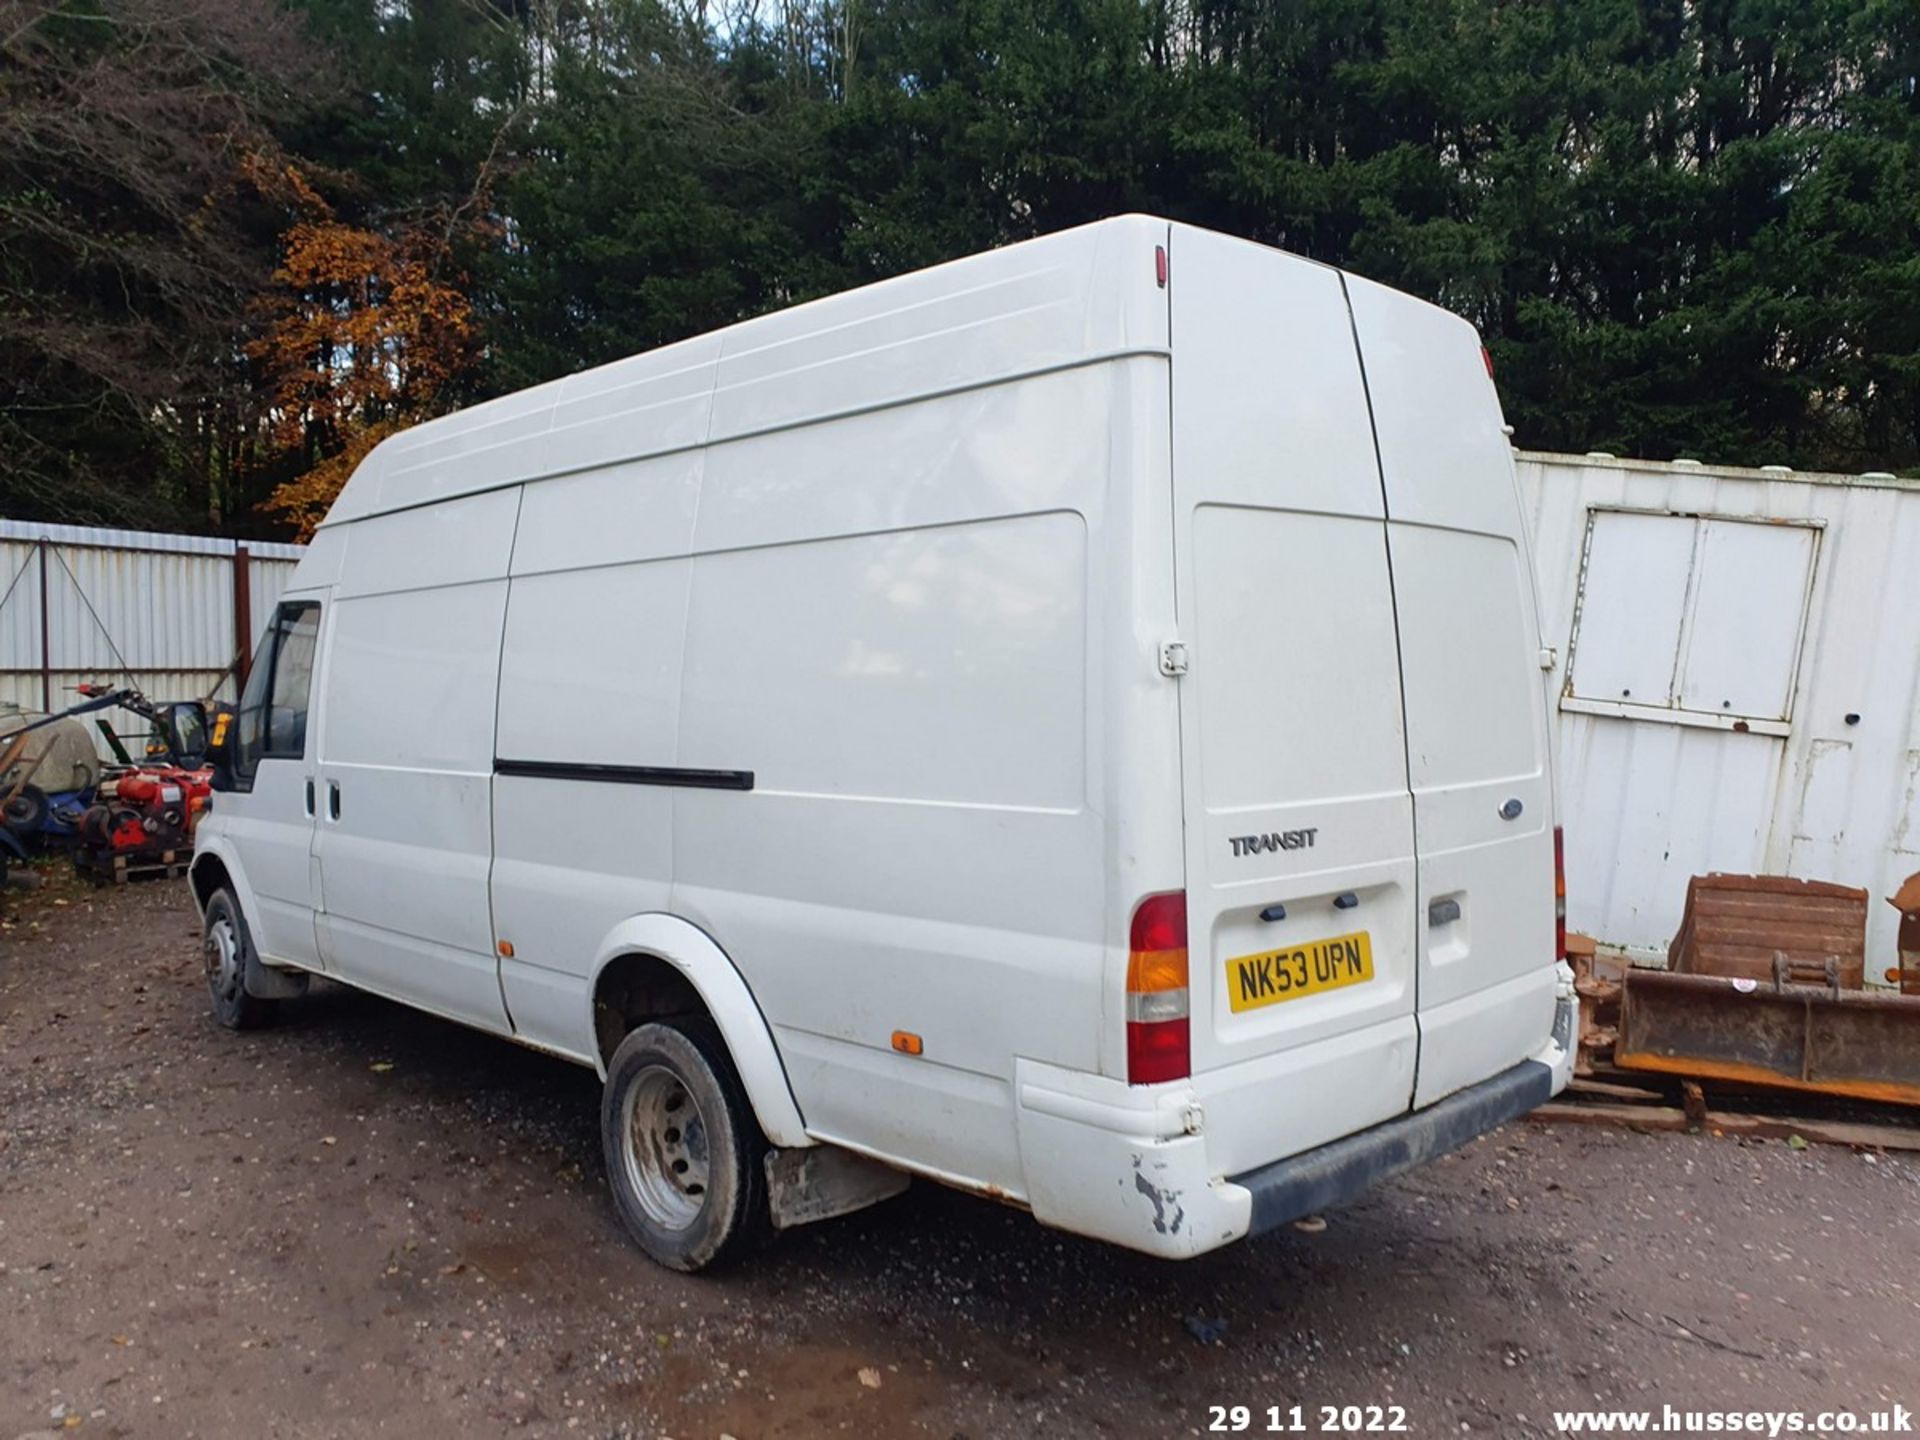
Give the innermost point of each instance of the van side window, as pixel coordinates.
(272, 722)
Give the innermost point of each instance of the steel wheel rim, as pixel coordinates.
(225, 973)
(663, 1140)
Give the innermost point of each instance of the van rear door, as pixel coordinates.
(1299, 824)
(1475, 704)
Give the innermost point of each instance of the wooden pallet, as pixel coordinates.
(166, 865)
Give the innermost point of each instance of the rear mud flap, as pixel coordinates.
(270, 982)
(818, 1182)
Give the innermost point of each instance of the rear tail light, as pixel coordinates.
(1559, 893)
(1158, 1045)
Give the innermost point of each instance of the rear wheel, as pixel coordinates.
(685, 1157)
(225, 949)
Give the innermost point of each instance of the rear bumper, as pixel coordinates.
(1130, 1164)
(1302, 1184)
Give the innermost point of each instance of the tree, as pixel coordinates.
(129, 251)
(361, 335)
(1684, 226)
(661, 190)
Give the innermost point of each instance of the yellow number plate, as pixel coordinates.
(1319, 965)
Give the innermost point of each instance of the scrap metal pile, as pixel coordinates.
(1763, 998)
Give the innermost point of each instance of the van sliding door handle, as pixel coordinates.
(309, 797)
(333, 799)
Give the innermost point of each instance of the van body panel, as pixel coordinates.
(271, 829)
(655, 404)
(1475, 703)
(319, 567)
(1074, 298)
(1463, 1041)
(1008, 593)
(880, 1103)
(889, 626)
(507, 441)
(1300, 826)
(1339, 1072)
(1135, 761)
(591, 657)
(590, 675)
(405, 827)
(641, 509)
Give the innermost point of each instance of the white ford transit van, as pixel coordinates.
(1067, 723)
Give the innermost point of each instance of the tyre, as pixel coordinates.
(227, 947)
(685, 1157)
(26, 812)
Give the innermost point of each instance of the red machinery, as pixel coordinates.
(140, 815)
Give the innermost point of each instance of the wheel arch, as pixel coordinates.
(213, 868)
(633, 953)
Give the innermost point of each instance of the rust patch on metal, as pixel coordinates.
(1735, 924)
(1596, 985)
(1828, 1042)
(1907, 901)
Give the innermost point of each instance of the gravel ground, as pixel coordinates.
(365, 1222)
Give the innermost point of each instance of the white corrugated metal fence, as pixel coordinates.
(165, 614)
(1738, 682)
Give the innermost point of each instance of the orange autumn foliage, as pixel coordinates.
(360, 338)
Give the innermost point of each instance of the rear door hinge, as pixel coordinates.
(1173, 658)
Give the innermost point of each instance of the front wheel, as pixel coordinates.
(225, 949)
(685, 1157)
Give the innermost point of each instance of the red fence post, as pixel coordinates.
(242, 619)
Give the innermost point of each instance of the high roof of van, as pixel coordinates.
(1073, 298)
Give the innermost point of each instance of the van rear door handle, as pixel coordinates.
(333, 799)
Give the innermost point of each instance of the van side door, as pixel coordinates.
(269, 811)
(405, 837)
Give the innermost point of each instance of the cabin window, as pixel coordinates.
(273, 711)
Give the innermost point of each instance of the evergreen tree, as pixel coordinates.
(1684, 226)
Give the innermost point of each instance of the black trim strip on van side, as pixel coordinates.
(627, 774)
